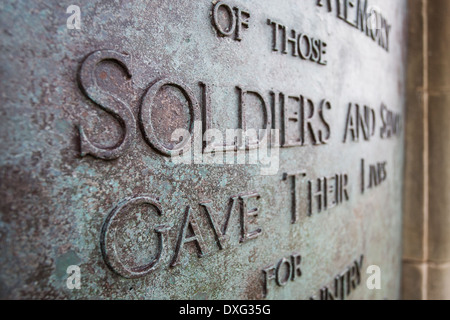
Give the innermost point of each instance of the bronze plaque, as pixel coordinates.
(201, 149)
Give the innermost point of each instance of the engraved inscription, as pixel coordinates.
(372, 175)
(109, 102)
(190, 232)
(229, 21)
(108, 241)
(284, 119)
(343, 284)
(286, 270)
(358, 14)
(327, 192)
(391, 123)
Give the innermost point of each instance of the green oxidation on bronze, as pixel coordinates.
(86, 176)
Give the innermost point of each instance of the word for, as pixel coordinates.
(287, 269)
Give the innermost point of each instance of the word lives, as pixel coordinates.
(359, 15)
(372, 175)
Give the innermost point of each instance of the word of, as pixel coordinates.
(238, 19)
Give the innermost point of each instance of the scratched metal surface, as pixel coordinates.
(55, 202)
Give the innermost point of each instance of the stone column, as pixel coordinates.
(426, 249)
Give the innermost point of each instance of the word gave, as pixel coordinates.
(189, 231)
